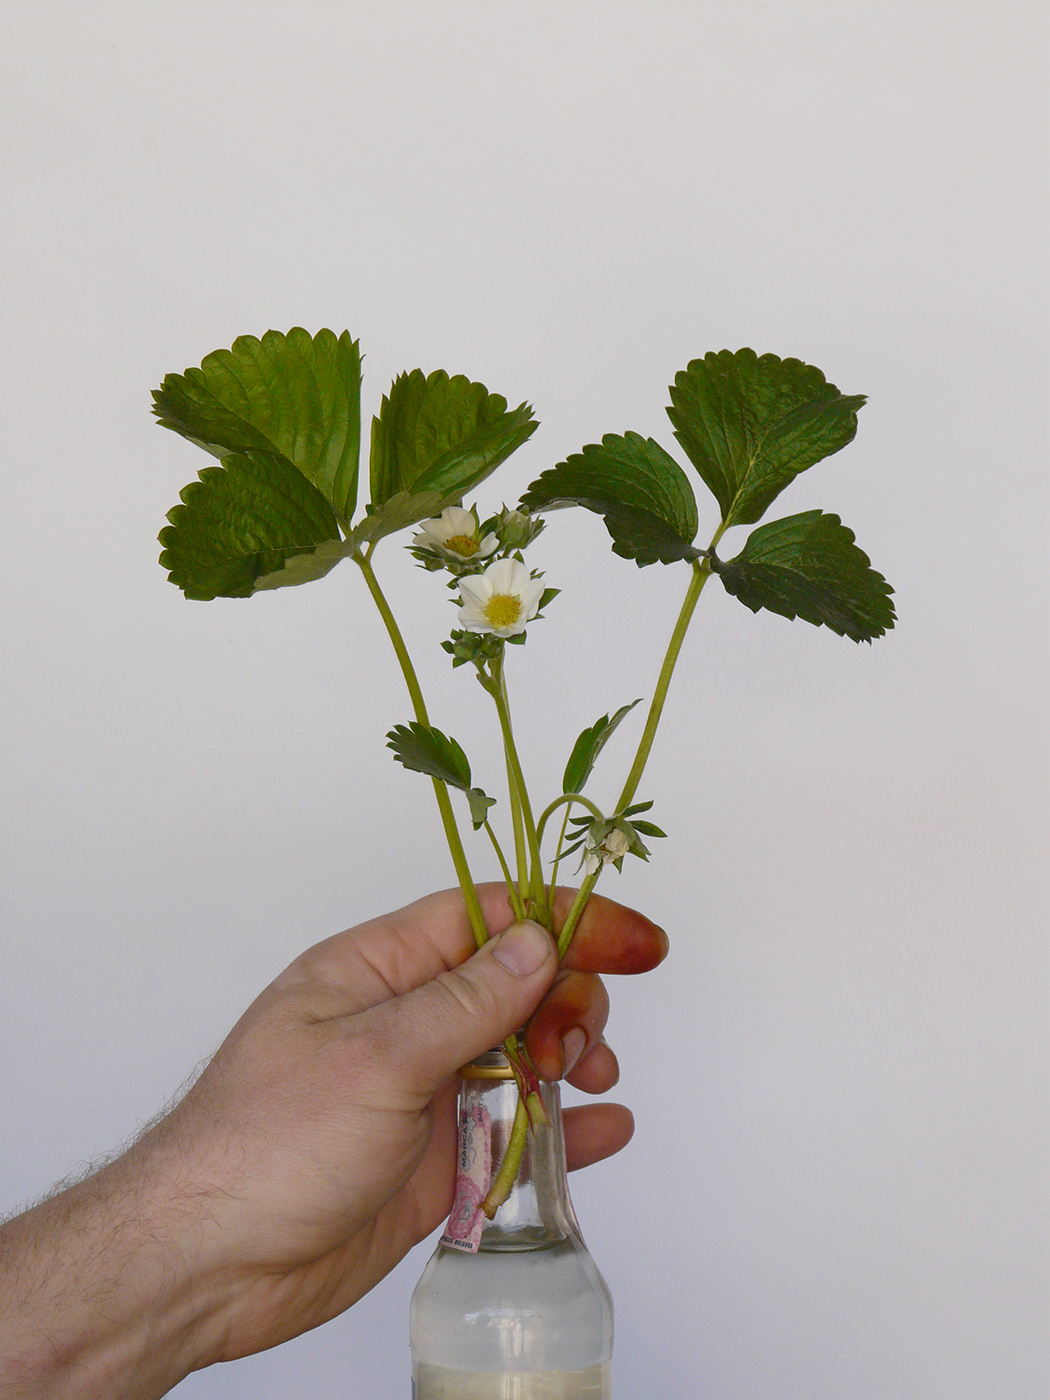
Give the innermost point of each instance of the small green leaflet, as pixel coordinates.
(428, 751)
(808, 566)
(397, 513)
(296, 395)
(751, 423)
(587, 748)
(243, 526)
(443, 435)
(642, 493)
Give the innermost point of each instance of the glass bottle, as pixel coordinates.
(527, 1316)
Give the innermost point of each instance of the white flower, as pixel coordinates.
(614, 847)
(502, 600)
(455, 533)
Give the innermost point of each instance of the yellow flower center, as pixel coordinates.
(502, 610)
(463, 544)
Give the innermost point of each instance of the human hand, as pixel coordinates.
(318, 1145)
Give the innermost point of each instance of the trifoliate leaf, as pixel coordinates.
(428, 751)
(243, 525)
(587, 748)
(294, 395)
(808, 566)
(751, 423)
(442, 435)
(642, 493)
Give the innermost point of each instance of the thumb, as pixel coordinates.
(463, 1012)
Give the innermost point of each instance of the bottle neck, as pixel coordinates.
(538, 1212)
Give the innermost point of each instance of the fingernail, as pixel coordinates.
(573, 1044)
(523, 949)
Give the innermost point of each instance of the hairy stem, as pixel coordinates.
(448, 819)
(573, 916)
(701, 573)
(512, 889)
(537, 892)
(567, 799)
(517, 824)
(557, 850)
(504, 1179)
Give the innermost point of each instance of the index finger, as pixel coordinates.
(609, 937)
(394, 954)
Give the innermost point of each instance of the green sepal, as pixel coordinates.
(587, 748)
(427, 750)
(598, 830)
(442, 435)
(478, 647)
(641, 492)
(627, 812)
(751, 423)
(254, 522)
(297, 396)
(808, 566)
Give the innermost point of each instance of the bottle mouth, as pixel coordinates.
(492, 1065)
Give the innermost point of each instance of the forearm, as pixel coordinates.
(96, 1298)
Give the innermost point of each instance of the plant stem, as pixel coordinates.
(573, 916)
(567, 799)
(500, 1188)
(448, 818)
(701, 573)
(536, 889)
(512, 889)
(557, 850)
(517, 824)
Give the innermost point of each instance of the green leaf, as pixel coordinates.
(296, 395)
(587, 748)
(642, 493)
(442, 435)
(479, 806)
(808, 566)
(426, 750)
(751, 423)
(400, 511)
(243, 525)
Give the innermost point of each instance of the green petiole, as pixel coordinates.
(448, 818)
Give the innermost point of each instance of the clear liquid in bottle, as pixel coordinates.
(527, 1317)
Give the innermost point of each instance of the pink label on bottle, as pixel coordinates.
(473, 1176)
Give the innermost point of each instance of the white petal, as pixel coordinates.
(530, 598)
(458, 521)
(503, 576)
(476, 589)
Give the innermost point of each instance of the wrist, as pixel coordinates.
(101, 1296)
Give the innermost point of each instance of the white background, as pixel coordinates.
(838, 1186)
